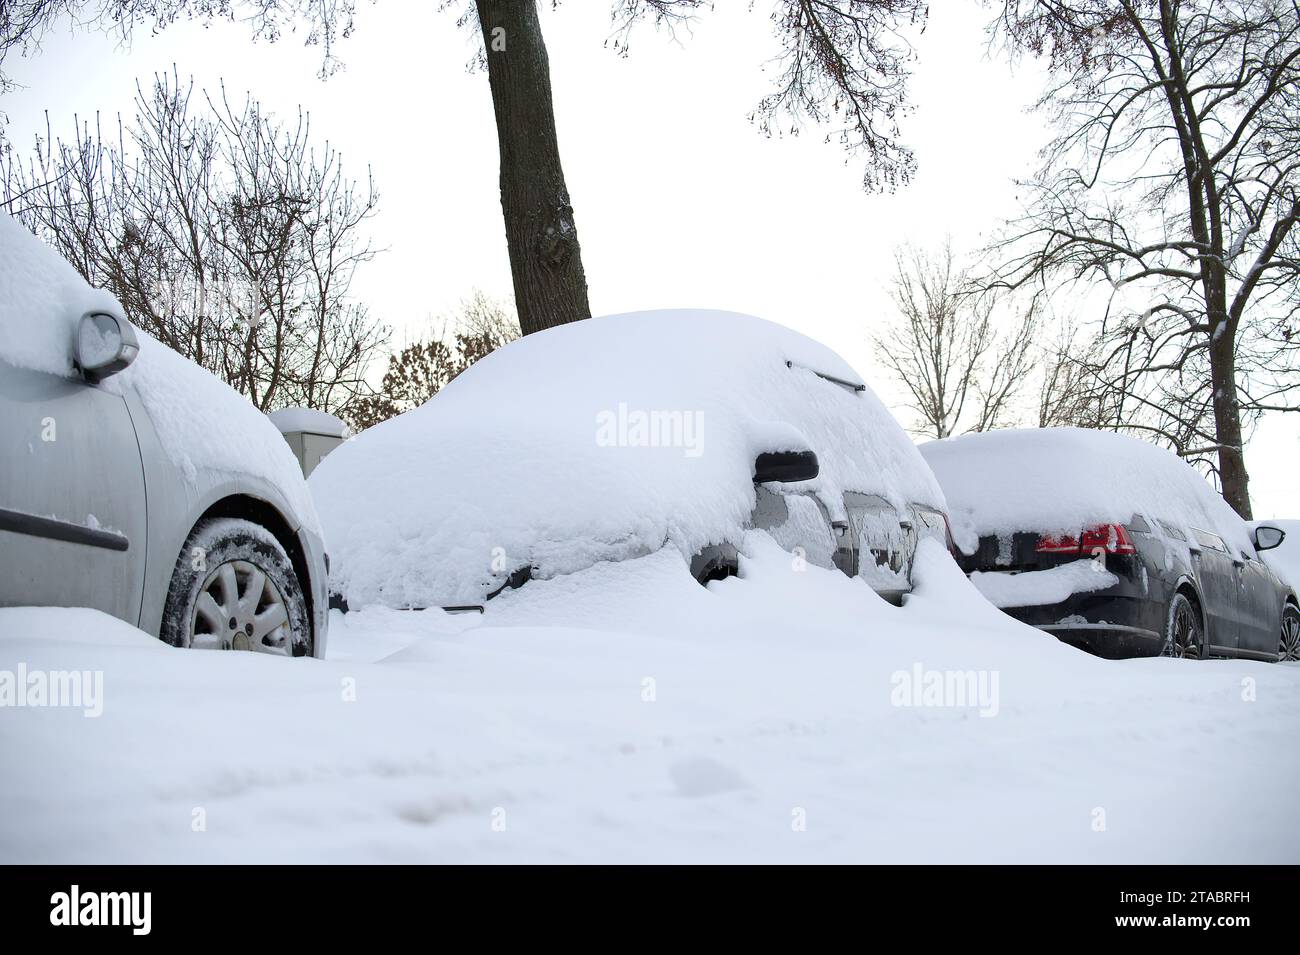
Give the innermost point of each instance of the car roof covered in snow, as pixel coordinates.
(1061, 480)
(204, 425)
(598, 440)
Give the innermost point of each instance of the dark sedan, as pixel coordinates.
(1180, 574)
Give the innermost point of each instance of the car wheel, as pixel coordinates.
(1288, 647)
(1183, 637)
(234, 588)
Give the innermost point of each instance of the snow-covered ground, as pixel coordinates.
(624, 713)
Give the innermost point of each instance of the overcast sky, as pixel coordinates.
(679, 200)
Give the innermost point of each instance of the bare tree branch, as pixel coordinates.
(227, 236)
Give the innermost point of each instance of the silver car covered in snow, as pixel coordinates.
(134, 482)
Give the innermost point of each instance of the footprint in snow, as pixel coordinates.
(702, 776)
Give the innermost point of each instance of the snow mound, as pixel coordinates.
(47, 626)
(1037, 588)
(1060, 480)
(601, 440)
(806, 700)
(203, 424)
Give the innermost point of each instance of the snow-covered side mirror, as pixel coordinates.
(1266, 537)
(785, 466)
(105, 345)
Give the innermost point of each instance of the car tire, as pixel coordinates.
(1184, 634)
(1288, 645)
(234, 588)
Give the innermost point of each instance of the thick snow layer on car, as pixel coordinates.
(206, 426)
(1037, 588)
(41, 299)
(1285, 558)
(600, 440)
(1061, 480)
(625, 714)
(202, 423)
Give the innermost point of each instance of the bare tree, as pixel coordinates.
(844, 65)
(424, 367)
(1011, 361)
(1073, 390)
(1172, 175)
(483, 324)
(25, 23)
(225, 234)
(944, 347)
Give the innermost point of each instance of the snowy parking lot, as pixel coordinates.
(625, 714)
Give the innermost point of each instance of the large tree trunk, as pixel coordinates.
(1227, 425)
(545, 259)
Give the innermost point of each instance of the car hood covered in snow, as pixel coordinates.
(203, 424)
(601, 440)
(1060, 480)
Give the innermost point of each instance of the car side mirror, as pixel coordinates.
(785, 466)
(1266, 537)
(105, 345)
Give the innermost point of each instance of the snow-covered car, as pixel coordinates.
(1113, 545)
(136, 483)
(612, 438)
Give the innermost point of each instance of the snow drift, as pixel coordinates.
(1037, 588)
(601, 440)
(625, 714)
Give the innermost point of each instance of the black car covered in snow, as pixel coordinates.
(1113, 545)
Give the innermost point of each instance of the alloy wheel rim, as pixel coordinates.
(1185, 640)
(239, 607)
(1289, 645)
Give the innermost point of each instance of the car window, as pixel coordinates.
(932, 519)
(796, 520)
(1212, 541)
(1172, 530)
(1138, 525)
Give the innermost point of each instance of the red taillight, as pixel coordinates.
(1065, 544)
(1112, 538)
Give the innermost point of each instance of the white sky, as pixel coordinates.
(679, 201)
